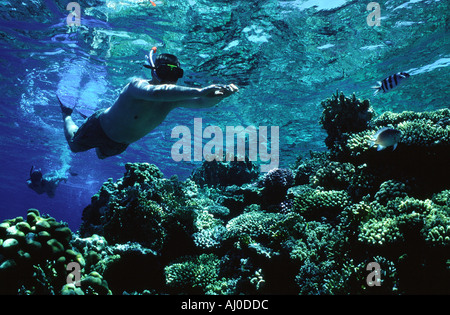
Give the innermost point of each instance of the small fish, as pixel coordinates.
(386, 137)
(390, 82)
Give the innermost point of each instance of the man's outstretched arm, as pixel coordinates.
(212, 96)
(142, 89)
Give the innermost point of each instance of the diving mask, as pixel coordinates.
(165, 72)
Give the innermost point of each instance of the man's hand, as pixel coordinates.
(219, 90)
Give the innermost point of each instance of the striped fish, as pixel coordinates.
(390, 82)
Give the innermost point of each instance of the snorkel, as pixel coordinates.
(165, 69)
(150, 64)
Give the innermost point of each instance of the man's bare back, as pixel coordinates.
(141, 107)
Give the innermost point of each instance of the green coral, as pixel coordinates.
(390, 190)
(193, 274)
(316, 203)
(334, 175)
(254, 225)
(383, 231)
(436, 230)
(439, 117)
(35, 254)
(405, 219)
(210, 231)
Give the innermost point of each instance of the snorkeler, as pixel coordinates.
(41, 184)
(141, 107)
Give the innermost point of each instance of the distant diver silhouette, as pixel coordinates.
(41, 184)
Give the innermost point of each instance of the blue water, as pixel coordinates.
(286, 57)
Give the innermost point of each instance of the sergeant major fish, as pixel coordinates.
(390, 82)
(386, 137)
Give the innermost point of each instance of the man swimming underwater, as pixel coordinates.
(141, 107)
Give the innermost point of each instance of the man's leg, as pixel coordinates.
(69, 126)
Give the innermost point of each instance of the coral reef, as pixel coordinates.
(217, 173)
(141, 207)
(312, 228)
(343, 115)
(34, 258)
(421, 155)
(275, 185)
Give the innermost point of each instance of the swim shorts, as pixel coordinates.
(91, 135)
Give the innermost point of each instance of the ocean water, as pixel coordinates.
(285, 56)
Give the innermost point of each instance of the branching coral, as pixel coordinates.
(334, 175)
